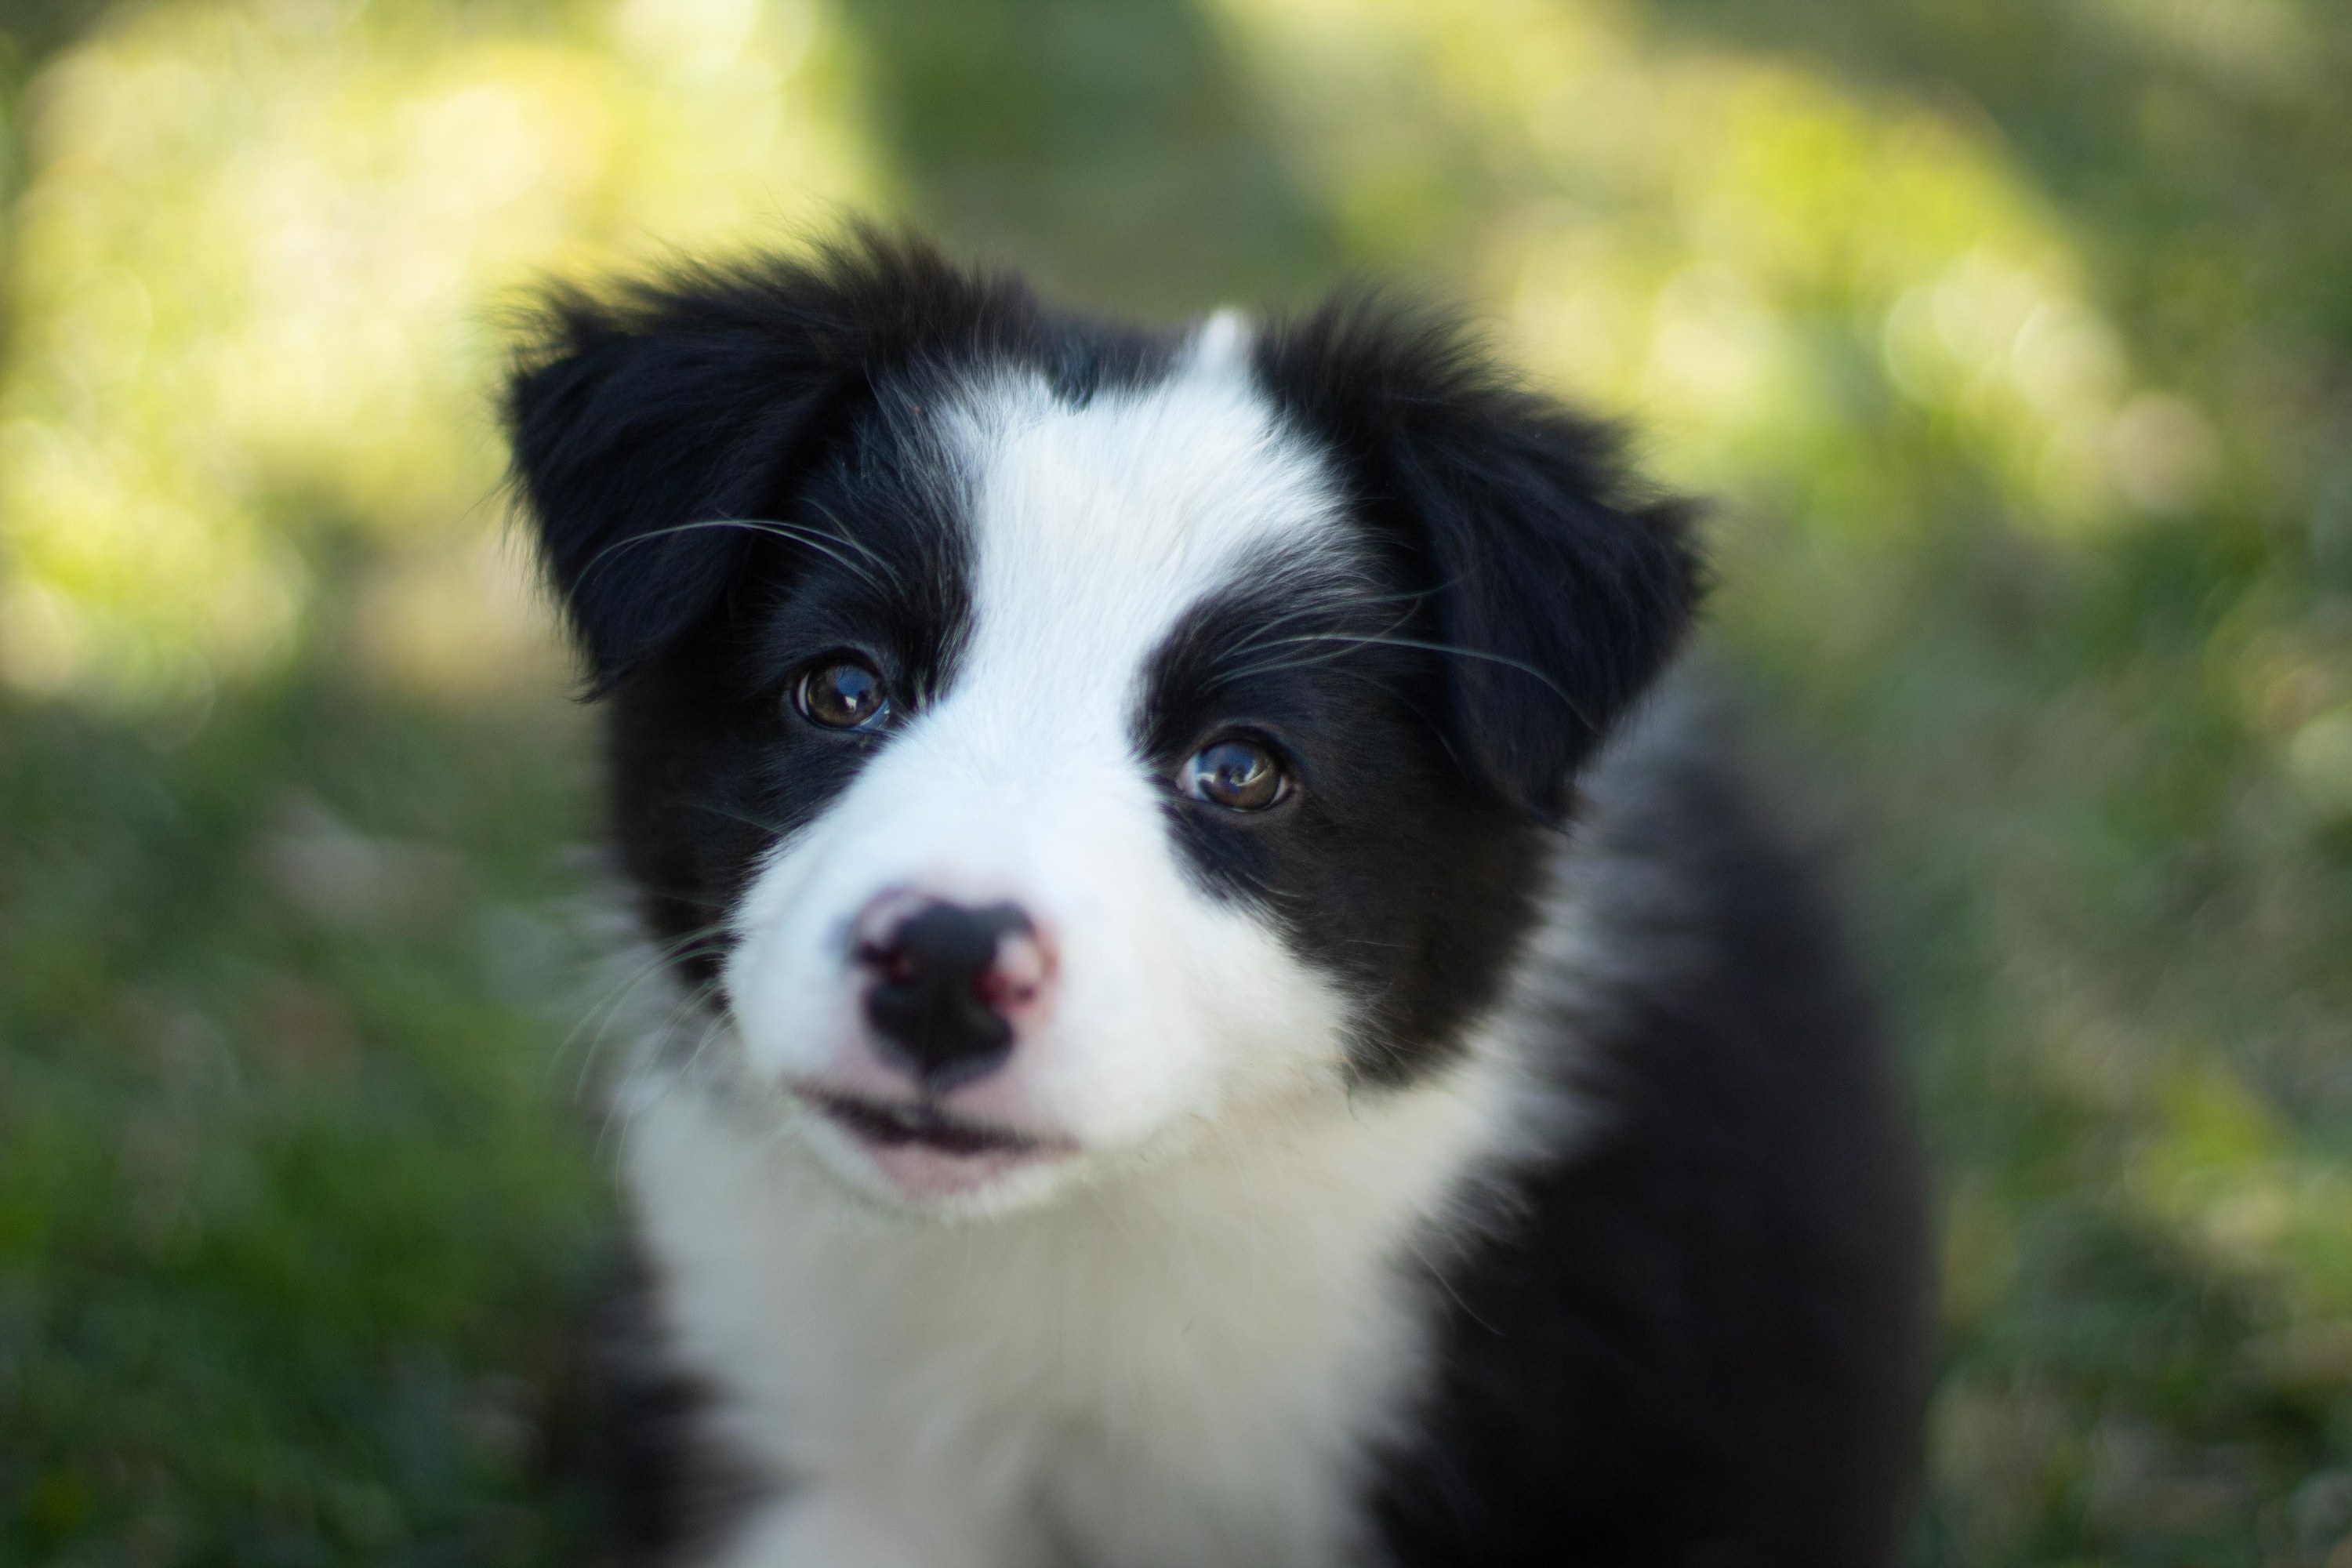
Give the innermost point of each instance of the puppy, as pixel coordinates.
(1207, 1020)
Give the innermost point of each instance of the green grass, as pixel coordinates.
(2114, 946)
(295, 1207)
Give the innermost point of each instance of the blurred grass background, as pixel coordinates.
(2015, 338)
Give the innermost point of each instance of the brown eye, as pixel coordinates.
(1240, 775)
(840, 693)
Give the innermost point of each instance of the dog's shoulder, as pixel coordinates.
(1723, 1273)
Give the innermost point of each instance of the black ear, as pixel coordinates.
(1558, 593)
(641, 413)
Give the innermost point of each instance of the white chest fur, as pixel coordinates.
(1184, 1364)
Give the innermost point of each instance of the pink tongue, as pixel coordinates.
(920, 1170)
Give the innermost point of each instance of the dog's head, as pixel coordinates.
(1042, 740)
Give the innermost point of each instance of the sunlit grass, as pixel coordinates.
(257, 273)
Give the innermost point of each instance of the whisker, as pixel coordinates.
(1264, 640)
(655, 957)
(841, 532)
(1449, 649)
(616, 1124)
(1411, 598)
(733, 815)
(710, 1033)
(616, 998)
(1349, 642)
(823, 543)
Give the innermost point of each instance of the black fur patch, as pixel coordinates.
(1518, 601)
(1382, 869)
(710, 764)
(670, 1487)
(637, 415)
(1695, 1339)
(1556, 591)
(729, 472)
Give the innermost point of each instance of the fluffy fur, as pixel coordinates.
(1473, 1149)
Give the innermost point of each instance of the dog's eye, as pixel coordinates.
(1240, 775)
(840, 693)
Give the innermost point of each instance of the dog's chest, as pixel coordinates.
(1188, 1366)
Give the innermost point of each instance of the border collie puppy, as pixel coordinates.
(1209, 1023)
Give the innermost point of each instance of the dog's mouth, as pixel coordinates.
(924, 1126)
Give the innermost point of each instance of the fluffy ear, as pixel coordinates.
(1557, 593)
(637, 414)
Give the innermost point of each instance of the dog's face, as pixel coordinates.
(1047, 744)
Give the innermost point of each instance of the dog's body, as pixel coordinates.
(1187, 1047)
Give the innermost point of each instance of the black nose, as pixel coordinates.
(929, 999)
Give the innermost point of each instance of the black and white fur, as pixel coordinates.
(1483, 1155)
